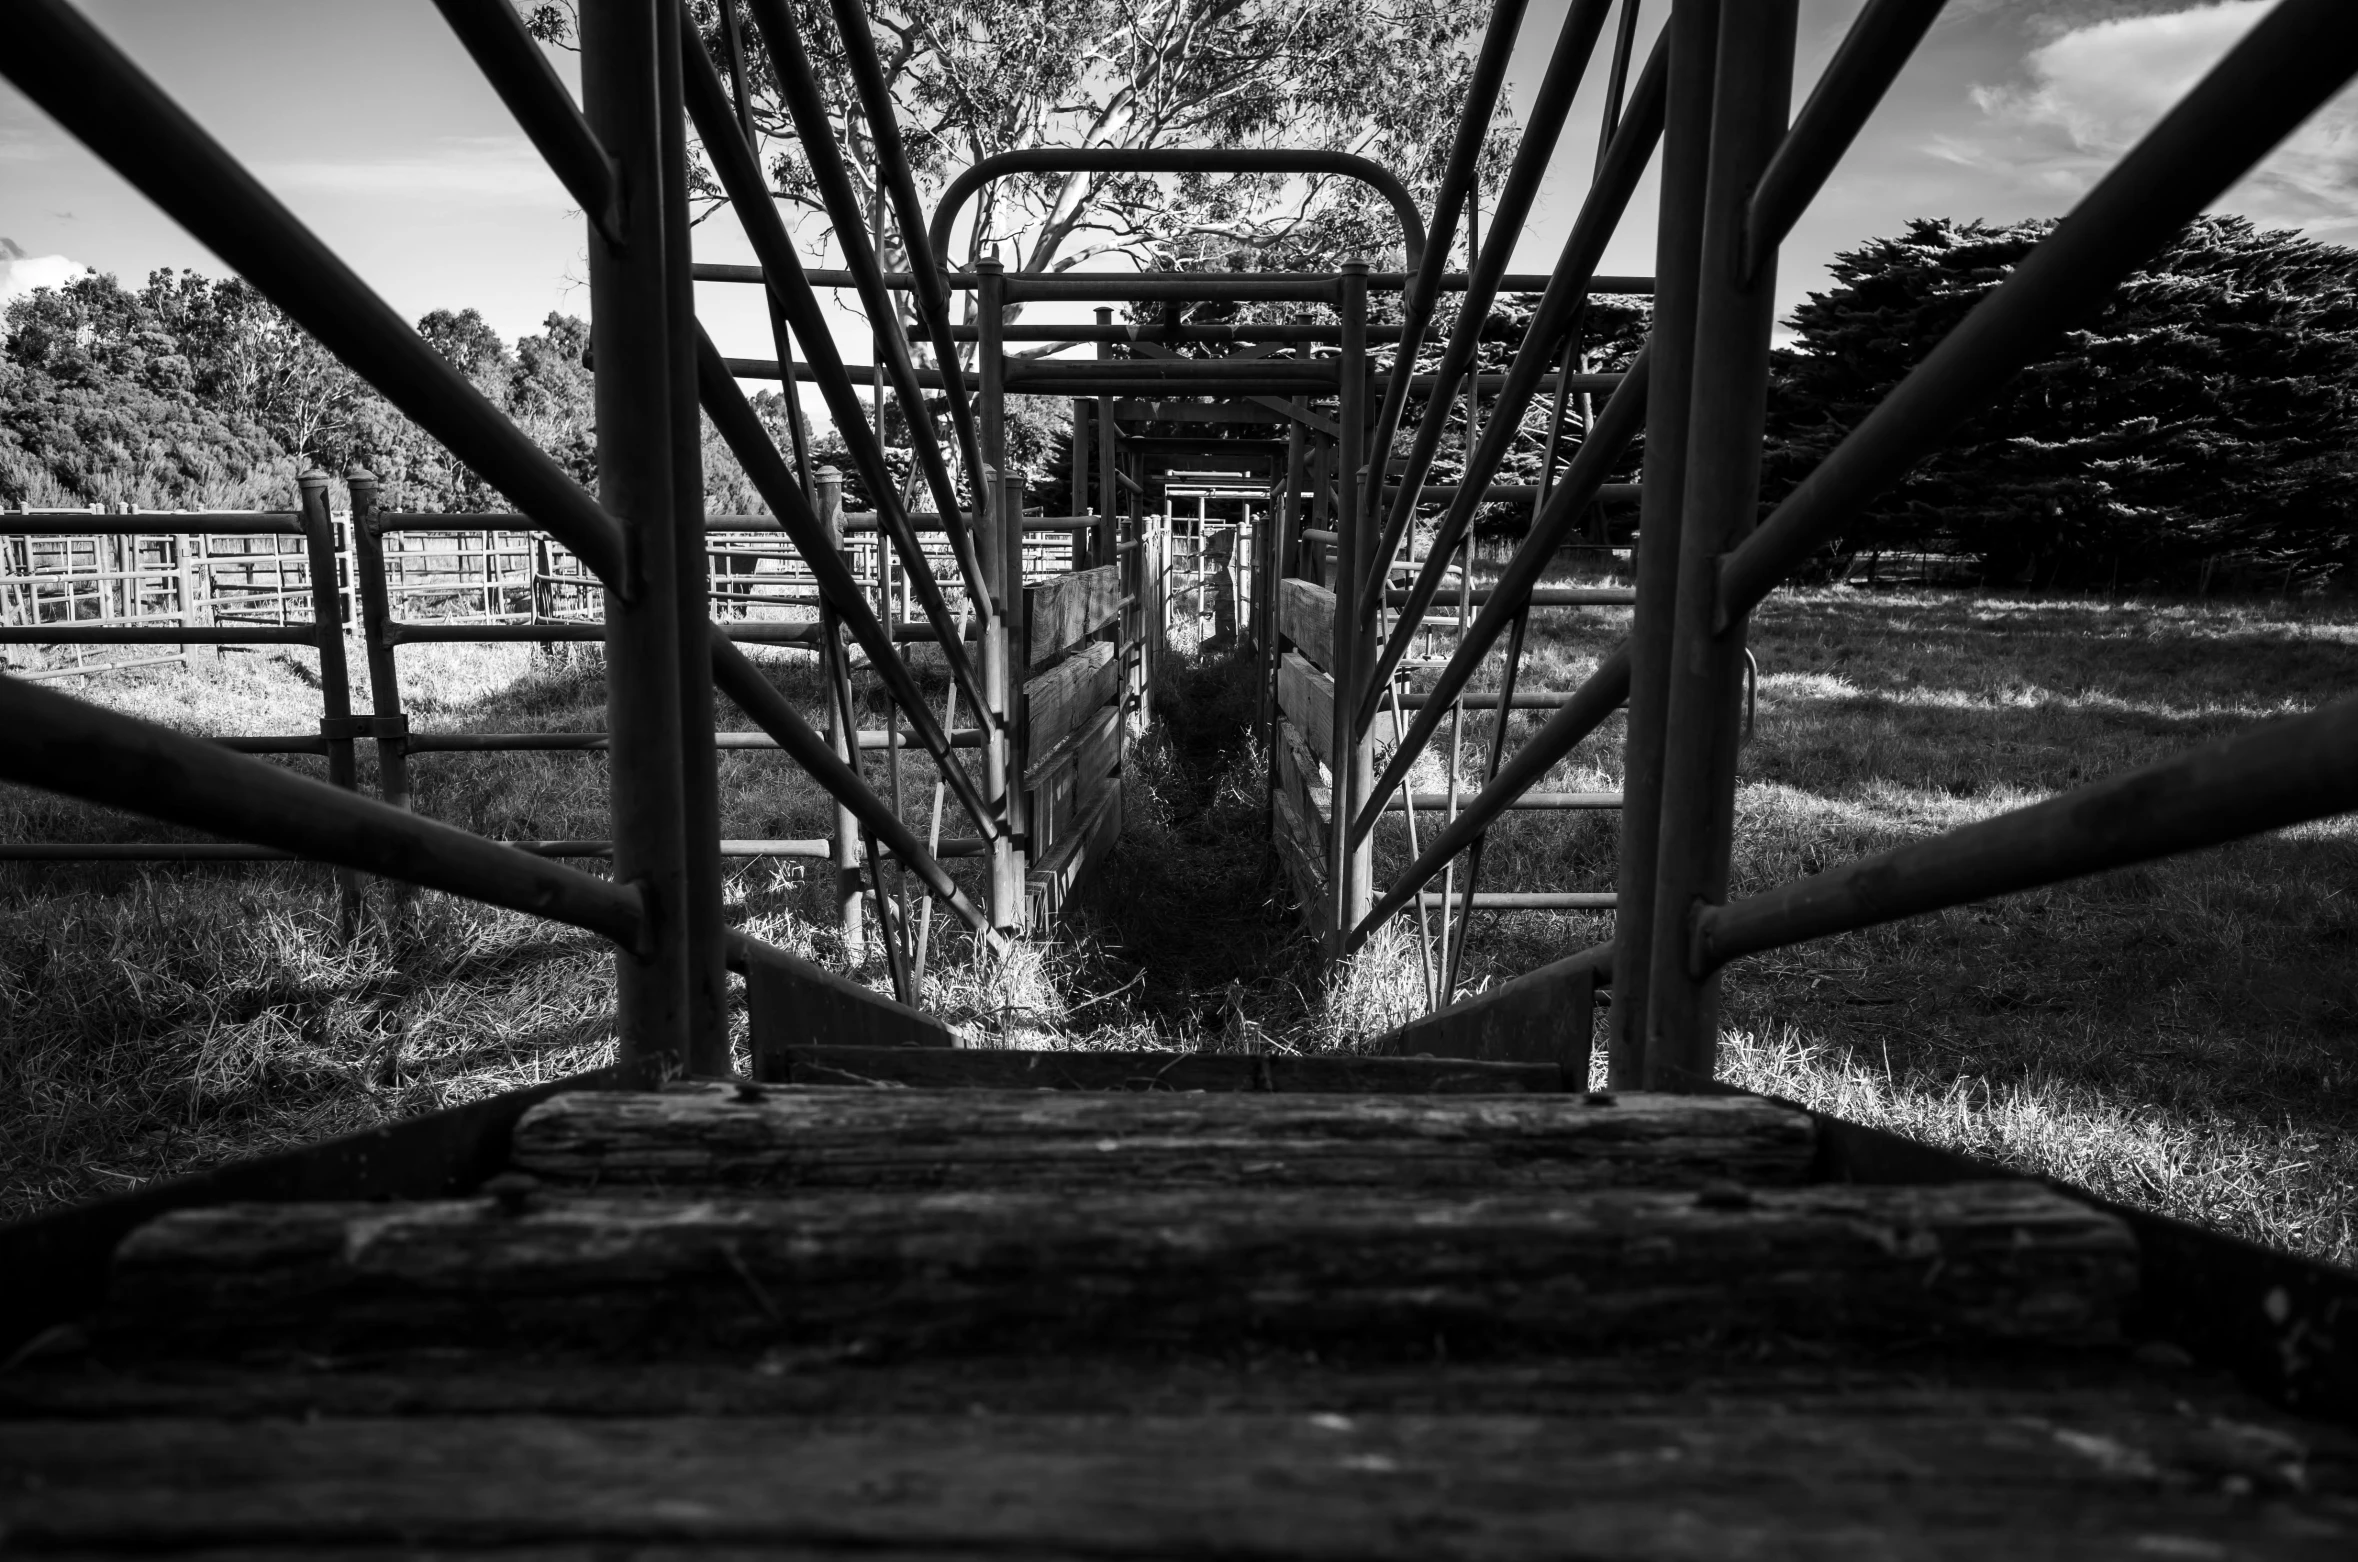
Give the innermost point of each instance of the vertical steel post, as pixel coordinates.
(1752, 92)
(1012, 859)
(1109, 499)
(1001, 534)
(387, 723)
(335, 678)
(630, 329)
(1686, 130)
(1351, 865)
(699, 755)
(842, 730)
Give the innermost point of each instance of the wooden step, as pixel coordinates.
(1028, 1069)
(1334, 1269)
(773, 1137)
(1961, 1474)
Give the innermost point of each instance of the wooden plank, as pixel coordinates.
(1307, 696)
(1304, 863)
(1546, 1015)
(57, 1261)
(711, 1135)
(1298, 774)
(1379, 1271)
(1056, 879)
(1067, 610)
(1079, 745)
(1306, 616)
(1100, 750)
(1024, 1069)
(1884, 1471)
(1068, 694)
(792, 1003)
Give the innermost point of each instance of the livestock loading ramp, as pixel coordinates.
(891, 1296)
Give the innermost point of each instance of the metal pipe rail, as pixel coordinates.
(791, 293)
(1458, 178)
(102, 756)
(512, 63)
(1176, 160)
(1206, 285)
(2281, 772)
(933, 297)
(742, 682)
(1568, 288)
(742, 430)
(791, 66)
(58, 59)
(1615, 427)
(1583, 711)
(1551, 105)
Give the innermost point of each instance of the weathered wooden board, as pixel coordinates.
(789, 1137)
(1367, 1271)
(1100, 749)
(1303, 858)
(1026, 1069)
(1056, 878)
(792, 1003)
(1306, 616)
(1297, 774)
(1067, 610)
(1068, 694)
(1307, 696)
(1543, 1015)
(1949, 1474)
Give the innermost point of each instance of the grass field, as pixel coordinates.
(2178, 1036)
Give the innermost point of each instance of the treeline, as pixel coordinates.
(193, 393)
(2202, 425)
(2205, 420)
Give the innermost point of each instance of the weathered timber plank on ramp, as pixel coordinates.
(844, 1138)
(1306, 616)
(2054, 1478)
(1359, 1271)
(1070, 608)
(1014, 1069)
(1307, 696)
(1068, 694)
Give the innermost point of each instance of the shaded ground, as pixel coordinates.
(1191, 929)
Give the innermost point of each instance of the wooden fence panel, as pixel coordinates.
(1307, 696)
(1067, 695)
(1067, 610)
(1306, 616)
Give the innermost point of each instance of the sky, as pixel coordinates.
(369, 122)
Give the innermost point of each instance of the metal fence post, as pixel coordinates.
(1351, 868)
(842, 731)
(1002, 540)
(335, 680)
(1686, 148)
(630, 331)
(388, 724)
(698, 755)
(1733, 317)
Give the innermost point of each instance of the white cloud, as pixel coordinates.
(492, 168)
(21, 273)
(2093, 90)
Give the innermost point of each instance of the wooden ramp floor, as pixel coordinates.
(1392, 1312)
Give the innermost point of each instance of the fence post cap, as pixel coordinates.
(312, 477)
(360, 474)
